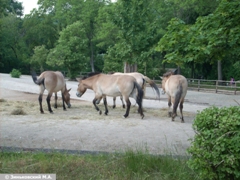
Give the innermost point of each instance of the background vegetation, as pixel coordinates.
(199, 37)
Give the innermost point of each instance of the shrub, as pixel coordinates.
(15, 73)
(215, 148)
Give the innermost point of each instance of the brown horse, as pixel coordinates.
(107, 85)
(53, 82)
(141, 80)
(176, 88)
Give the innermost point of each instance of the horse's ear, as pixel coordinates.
(78, 79)
(69, 89)
(161, 77)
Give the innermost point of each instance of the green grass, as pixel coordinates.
(129, 165)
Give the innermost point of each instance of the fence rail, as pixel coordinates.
(217, 86)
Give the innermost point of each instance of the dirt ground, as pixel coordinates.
(81, 128)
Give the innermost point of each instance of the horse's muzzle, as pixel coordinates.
(69, 105)
(78, 94)
(163, 92)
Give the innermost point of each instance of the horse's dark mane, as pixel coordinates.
(90, 75)
(167, 74)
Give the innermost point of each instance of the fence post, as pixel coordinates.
(198, 84)
(235, 92)
(216, 86)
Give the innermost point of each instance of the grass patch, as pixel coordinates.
(129, 165)
(18, 112)
(2, 100)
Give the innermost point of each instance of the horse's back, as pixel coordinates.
(138, 76)
(53, 81)
(115, 85)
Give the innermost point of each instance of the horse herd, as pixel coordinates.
(125, 85)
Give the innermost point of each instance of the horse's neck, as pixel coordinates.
(88, 83)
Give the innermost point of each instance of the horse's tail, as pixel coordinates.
(153, 85)
(139, 98)
(36, 80)
(177, 98)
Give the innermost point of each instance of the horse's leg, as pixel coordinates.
(96, 107)
(48, 102)
(169, 107)
(105, 104)
(123, 105)
(114, 102)
(174, 111)
(128, 107)
(55, 105)
(63, 102)
(98, 100)
(40, 103)
(181, 108)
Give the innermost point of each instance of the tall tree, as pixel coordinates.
(137, 32)
(211, 38)
(70, 51)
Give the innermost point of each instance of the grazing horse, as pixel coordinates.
(107, 85)
(176, 88)
(141, 80)
(53, 82)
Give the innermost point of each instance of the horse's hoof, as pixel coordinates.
(169, 114)
(100, 112)
(106, 113)
(124, 106)
(42, 112)
(51, 112)
(124, 116)
(142, 116)
(114, 106)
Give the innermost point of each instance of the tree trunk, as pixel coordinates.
(219, 70)
(130, 67)
(178, 70)
(92, 57)
(193, 69)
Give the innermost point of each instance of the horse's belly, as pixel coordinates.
(111, 92)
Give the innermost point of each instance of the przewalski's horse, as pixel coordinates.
(141, 80)
(107, 85)
(53, 82)
(176, 88)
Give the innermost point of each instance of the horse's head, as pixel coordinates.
(164, 79)
(66, 95)
(81, 89)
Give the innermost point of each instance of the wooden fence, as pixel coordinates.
(216, 86)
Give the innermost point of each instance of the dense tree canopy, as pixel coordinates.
(199, 36)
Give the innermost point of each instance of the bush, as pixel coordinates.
(15, 73)
(215, 148)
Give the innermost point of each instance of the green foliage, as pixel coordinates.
(212, 38)
(215, 149)
(71, 50)
(39, 57)
(15, 73)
